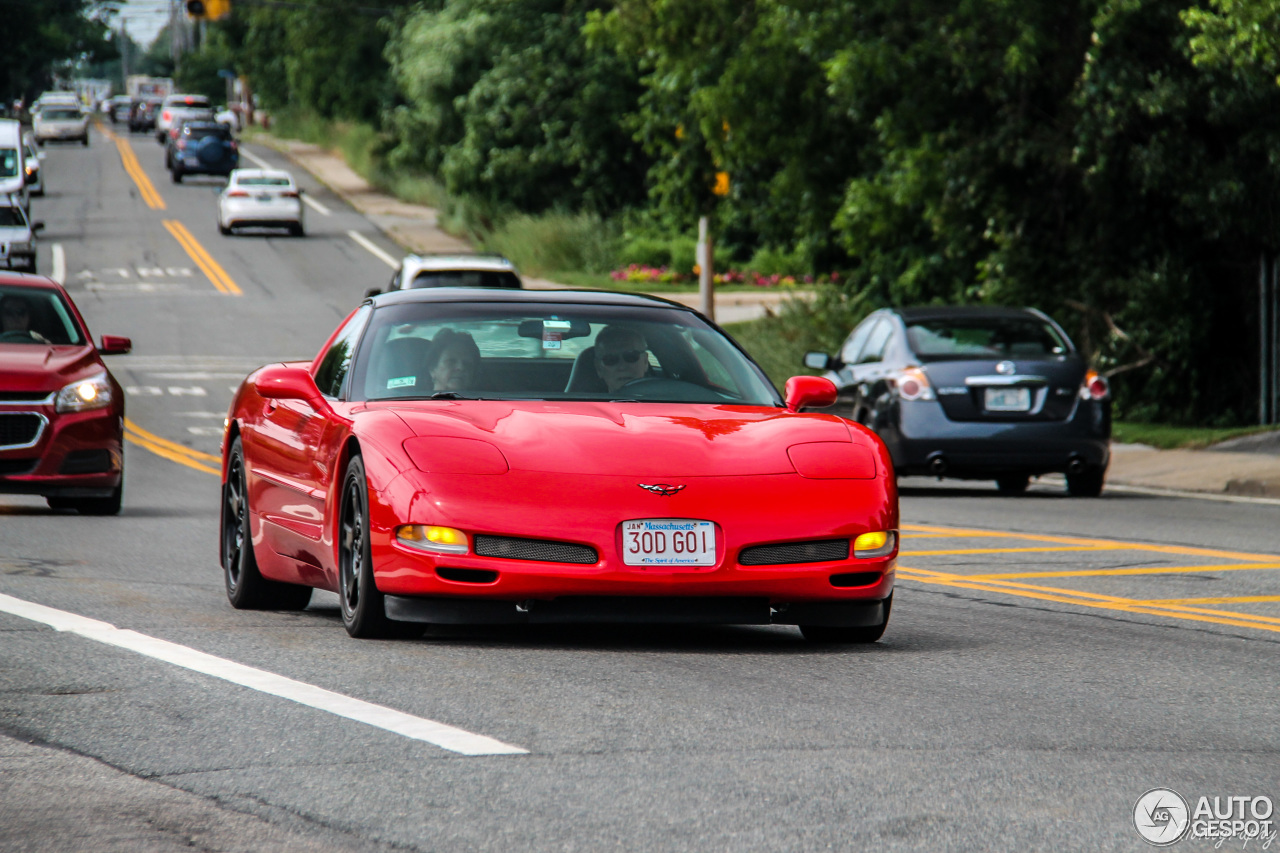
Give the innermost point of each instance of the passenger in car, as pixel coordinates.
(454, 361)
(621, 356)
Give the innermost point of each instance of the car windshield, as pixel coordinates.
(552, 352)
(30, 315)
(11, 217)
(8, 162)
(984, 337)
(465, 278)
(61, 115)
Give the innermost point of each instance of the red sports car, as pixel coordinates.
(61, 410)
(474, 456)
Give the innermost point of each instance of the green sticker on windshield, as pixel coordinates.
(402, 382)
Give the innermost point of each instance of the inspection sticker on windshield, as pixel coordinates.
(402, 382)
(668, 542)
(553, 332)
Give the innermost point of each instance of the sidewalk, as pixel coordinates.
(1244, 467)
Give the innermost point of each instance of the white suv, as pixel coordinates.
(455, 271)
(174, 109)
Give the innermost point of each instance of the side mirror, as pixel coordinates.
(291, 383)
(820, 361)
(37, 227)
(810, 392)
(115, 345)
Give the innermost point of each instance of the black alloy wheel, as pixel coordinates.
(843, 634)
(363, 606)
(247, 589)
(1013, 485)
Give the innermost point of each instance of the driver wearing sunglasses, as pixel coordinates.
(622, 355)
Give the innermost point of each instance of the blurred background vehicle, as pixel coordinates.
(34, 164)
(455, 271)
(201, 148)
(61, 123)
(142, 115)
(261, 198)
(17, 237)
(119, 108)
(13, 172)
(975, 393)
(174, 109)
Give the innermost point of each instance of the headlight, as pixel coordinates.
(91, 393)
(428, 537)
(879, 543)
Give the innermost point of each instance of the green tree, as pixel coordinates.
(40, 38)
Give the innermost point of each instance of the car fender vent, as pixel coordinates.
(541, 550)
(466, 575)
(814, 551)
(849, 579)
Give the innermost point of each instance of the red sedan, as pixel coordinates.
(61, 410)
(472, 456)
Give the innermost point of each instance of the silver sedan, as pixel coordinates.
(261, 198)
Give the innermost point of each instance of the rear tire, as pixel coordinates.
(297, 230)
(247, 589)
(1086, 484)
(1014, 485)
(843, 634)
(176, 175)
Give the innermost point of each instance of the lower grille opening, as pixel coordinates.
(815, 551)
(467, 575)
(17, 466)
(86, 462)
(542, 550)
(855, 579)
(19, 428)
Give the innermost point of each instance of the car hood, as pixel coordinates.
(635, 439)
(14, 234)
(41, 368)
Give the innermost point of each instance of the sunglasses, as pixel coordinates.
(630, 356)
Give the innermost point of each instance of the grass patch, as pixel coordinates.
(1174, 437)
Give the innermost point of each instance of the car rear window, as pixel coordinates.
(466, 278)
(202, 132)
(62, 115)
(263, 182)
(984, 337)
(47, 315)
(10, 217)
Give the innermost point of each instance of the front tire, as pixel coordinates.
(834, 634)
(364, 612)
(247, 589)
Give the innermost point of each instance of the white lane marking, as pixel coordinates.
(261, 164)
(306, 199)
(314, 205)
(368, 244)
(59, 271)
(397, 722)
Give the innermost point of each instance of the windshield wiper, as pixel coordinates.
(450, 395)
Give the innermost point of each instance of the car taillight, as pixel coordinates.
(912, 384)
(288, 194)
(1095, 387)
(166, 115)
(237, 194)
(182, 143)
(234, 145)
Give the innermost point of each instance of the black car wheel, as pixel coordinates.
(843, 634)
(1013, 485)
(176, 175)
(363, 607)
(1086, 484)
(247, 589)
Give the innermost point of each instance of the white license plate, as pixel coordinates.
(1007, 399)
(263, 197)
(668, 542)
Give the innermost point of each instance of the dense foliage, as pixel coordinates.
(41, 38)
(1114, 162)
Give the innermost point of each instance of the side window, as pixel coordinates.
(337, 361)
(876, 343)
(853, 346)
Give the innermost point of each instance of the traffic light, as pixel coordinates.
(208, 10)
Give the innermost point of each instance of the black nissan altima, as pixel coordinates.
(975, 393)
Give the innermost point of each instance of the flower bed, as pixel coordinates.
(641, 274)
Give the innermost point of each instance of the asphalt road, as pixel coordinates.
(1049, 659)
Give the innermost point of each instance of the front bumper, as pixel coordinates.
(923, 441)
(76, 454)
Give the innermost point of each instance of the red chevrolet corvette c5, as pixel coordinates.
(469, 456)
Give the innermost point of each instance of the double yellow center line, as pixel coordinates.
(171, 450)
(134, 168)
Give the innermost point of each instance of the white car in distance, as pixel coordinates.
(261, 198)
(60, 122)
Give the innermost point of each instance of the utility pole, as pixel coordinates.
(706, 283)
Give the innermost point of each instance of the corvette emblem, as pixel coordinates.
(661, 488)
